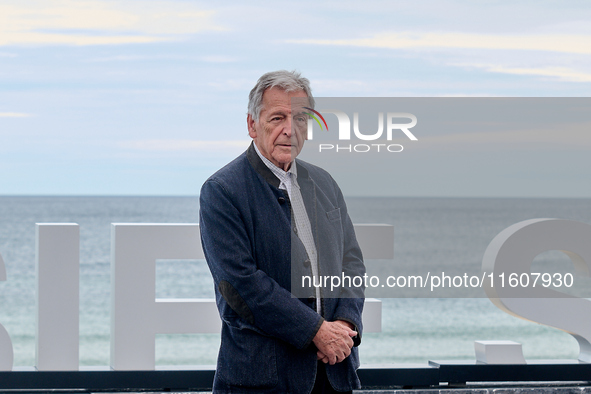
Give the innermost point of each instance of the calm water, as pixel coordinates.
(427, 231)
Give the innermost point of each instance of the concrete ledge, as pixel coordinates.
(501, 388)
(498, 388)
(439, 377)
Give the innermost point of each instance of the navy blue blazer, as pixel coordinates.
(257, 260)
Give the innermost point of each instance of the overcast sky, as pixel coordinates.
(149, 97)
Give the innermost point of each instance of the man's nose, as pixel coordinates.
(287, 127)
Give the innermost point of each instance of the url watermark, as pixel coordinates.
(442, 281)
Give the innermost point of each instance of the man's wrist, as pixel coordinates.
(352, 326)
(347, 323)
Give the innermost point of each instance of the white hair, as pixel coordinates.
(290, 81)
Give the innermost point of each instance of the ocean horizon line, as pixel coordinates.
(346, 196)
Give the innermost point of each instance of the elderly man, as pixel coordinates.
(266, 218)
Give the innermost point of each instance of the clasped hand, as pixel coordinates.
(334, 341)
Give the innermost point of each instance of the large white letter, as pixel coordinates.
(513, 251)
(57, 272)
(344, 123)
(6, 351)
(370, 137)
(401, 126)
(136, 315)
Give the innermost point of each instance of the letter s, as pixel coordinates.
(513, 251)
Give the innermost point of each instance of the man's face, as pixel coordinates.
(279, 134)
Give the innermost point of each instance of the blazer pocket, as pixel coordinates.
(242, 371)
(335, 214)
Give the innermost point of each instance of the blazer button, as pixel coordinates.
(307, 263)
(281, 200)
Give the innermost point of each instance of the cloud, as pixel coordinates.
(575, 44)
(91, 22)
(232, 84)
(14, 115)
(561, 73)
(341, 85)
(184, 145)
(218, 59)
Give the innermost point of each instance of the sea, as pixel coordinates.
(427, 232)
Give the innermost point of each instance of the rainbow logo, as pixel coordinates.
(315, 118)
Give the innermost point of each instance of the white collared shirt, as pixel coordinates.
(303, 229)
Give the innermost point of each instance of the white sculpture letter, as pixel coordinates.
(57, 272)
(136, 315)
(514, 249)
(6, 350)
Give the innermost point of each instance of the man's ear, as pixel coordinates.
(251, 124)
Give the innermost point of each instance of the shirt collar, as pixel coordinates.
(278, 172)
